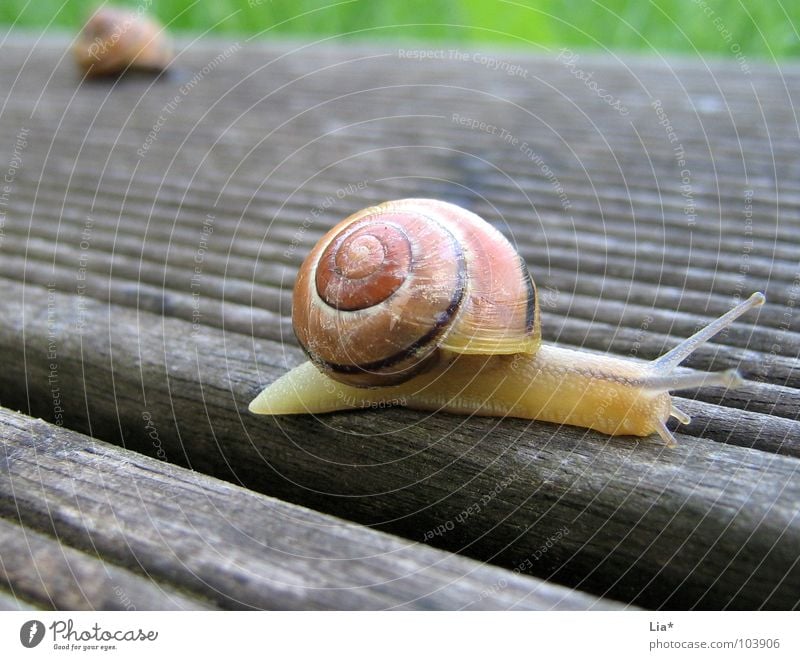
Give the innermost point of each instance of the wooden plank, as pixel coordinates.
(741, 427)
(42, 570)
(269, 136)
(703, 525)
(168, 527)
(588, 249)
(9, 602)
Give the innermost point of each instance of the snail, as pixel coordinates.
(114, 40)
(421, 303)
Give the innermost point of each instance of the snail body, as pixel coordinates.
(544, 385)
(421, 303)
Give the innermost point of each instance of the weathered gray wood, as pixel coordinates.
(42, 570)
(219, 542)
(702, 525)
(667, 266)
(268, 137)
(741, 427)
(11, 602)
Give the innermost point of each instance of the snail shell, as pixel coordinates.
(395, 288)
(116, 39)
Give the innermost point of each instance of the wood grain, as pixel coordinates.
(148, 532)
(706, 524)
(9, 602)
(42, 570)
(160, 272)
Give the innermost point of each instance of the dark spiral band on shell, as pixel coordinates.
(355, 278)
(530, 312)
(412, 351)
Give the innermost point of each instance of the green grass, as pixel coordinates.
(756, 28)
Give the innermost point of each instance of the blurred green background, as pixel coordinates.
(755, 28)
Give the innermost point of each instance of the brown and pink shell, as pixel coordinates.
(393, 288)
(114, 40)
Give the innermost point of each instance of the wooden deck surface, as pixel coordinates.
(151, 232)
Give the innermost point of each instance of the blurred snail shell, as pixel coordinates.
(421, 303)
(114, 40)
(388, 289)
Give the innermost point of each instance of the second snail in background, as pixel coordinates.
(115, 40)
(421, 303)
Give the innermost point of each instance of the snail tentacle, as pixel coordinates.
(680, 415)
(674, 357)
(684, 381)
(665, 434)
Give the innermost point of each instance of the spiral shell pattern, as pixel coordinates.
(386, 290)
